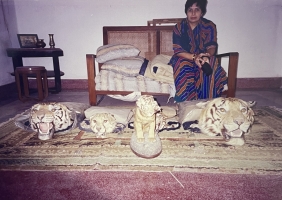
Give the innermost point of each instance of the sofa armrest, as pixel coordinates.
(232, 71)
(91, 72)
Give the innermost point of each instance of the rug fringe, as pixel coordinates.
(277, 109)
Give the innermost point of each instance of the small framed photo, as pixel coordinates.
(27, 40)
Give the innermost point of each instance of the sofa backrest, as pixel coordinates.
(150, 40)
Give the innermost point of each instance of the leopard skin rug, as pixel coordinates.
(182, 150)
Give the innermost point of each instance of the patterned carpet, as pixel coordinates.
(182, 151)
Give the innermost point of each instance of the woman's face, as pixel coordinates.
(194, 13)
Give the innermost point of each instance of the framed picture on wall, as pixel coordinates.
(27, 40)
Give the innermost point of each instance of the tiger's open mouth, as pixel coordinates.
(237, 133)
(45, 130)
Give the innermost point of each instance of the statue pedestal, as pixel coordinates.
(146, 149)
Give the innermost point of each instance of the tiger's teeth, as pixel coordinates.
(236, 133)
(44, 127)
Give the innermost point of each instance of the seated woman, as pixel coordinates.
(194, 43)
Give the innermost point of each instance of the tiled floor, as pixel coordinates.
(13, 106)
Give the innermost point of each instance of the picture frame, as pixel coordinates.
(27, 40)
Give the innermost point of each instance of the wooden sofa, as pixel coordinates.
(151, 41)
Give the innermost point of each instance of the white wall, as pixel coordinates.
(8, 26)
(251, 27)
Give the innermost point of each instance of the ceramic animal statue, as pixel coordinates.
(145, 117)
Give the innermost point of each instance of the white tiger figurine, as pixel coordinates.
(145, 118)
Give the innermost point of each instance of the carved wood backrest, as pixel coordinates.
(166, 21)
(150, 41)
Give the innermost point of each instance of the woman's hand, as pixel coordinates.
(201, 59)
(206, 58)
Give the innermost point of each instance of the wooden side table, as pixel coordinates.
(41, 78)
(18, 53)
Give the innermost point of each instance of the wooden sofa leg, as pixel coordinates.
(90, 61)
(92, 99)
(232, 74)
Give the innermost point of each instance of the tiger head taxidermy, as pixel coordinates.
(228, 117)
(48, 118)
(102, 123)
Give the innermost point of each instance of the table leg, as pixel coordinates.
(18, 62)
(25, 85)
(56, 65)
(39, 86)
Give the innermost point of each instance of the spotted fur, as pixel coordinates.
(102, 123)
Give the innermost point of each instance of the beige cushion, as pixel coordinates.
(115, 51)
(125, 66)
(163, 73)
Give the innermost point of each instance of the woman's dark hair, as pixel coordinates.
(201, 3)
